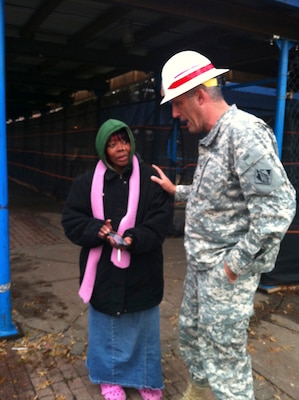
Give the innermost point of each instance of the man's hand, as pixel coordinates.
(163, 180)
(230, 274)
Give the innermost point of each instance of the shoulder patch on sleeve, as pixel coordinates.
(263, 176)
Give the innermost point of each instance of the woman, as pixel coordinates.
(121, 276)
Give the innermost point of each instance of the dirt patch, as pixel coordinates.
(30, 302)
(284, 303)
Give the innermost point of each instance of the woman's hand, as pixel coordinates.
(128, 240)
(106, 233)
(105, 229)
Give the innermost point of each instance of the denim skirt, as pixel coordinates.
(125, 350)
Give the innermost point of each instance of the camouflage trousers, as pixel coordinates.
(213, 323)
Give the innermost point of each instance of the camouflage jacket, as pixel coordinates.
(241, 202)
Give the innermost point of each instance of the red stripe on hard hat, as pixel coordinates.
(190, 76)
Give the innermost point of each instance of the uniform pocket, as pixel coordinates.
(216, 295)
(226, 302)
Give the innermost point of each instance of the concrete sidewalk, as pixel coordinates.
(48, 361)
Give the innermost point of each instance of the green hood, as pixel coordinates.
(106, 130)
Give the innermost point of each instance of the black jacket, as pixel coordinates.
(140, 286)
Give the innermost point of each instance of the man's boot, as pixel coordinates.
(195, 392)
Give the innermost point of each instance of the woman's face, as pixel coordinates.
(118, 150)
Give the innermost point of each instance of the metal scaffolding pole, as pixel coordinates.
(7, 328)
(284, 45)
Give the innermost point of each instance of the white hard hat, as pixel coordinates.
(184, 71)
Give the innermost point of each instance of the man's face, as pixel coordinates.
(187, 108)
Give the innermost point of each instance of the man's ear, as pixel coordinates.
(200, 95)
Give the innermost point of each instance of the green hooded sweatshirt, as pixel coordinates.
(108, 128)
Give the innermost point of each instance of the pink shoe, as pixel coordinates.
(113, 392)
(150, 394)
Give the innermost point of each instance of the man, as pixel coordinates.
(238, 209)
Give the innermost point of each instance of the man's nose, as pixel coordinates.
(175, 112)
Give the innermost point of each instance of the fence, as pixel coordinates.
(48, 152)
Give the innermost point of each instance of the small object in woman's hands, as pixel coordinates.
(119, 240)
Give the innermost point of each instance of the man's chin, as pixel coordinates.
(191, 128)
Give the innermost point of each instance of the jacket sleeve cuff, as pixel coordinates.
(182, 192)
(239, 262)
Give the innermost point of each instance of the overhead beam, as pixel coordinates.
(53, 82)
(149, 32)
(237, 54)
(84, 35)
(223, 13)
(107, 18)
(42, 49)
(42, 12)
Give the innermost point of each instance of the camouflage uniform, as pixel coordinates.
(238, 209)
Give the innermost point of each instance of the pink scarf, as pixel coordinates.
(128, 221)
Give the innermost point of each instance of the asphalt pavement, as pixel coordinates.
(47, 361)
